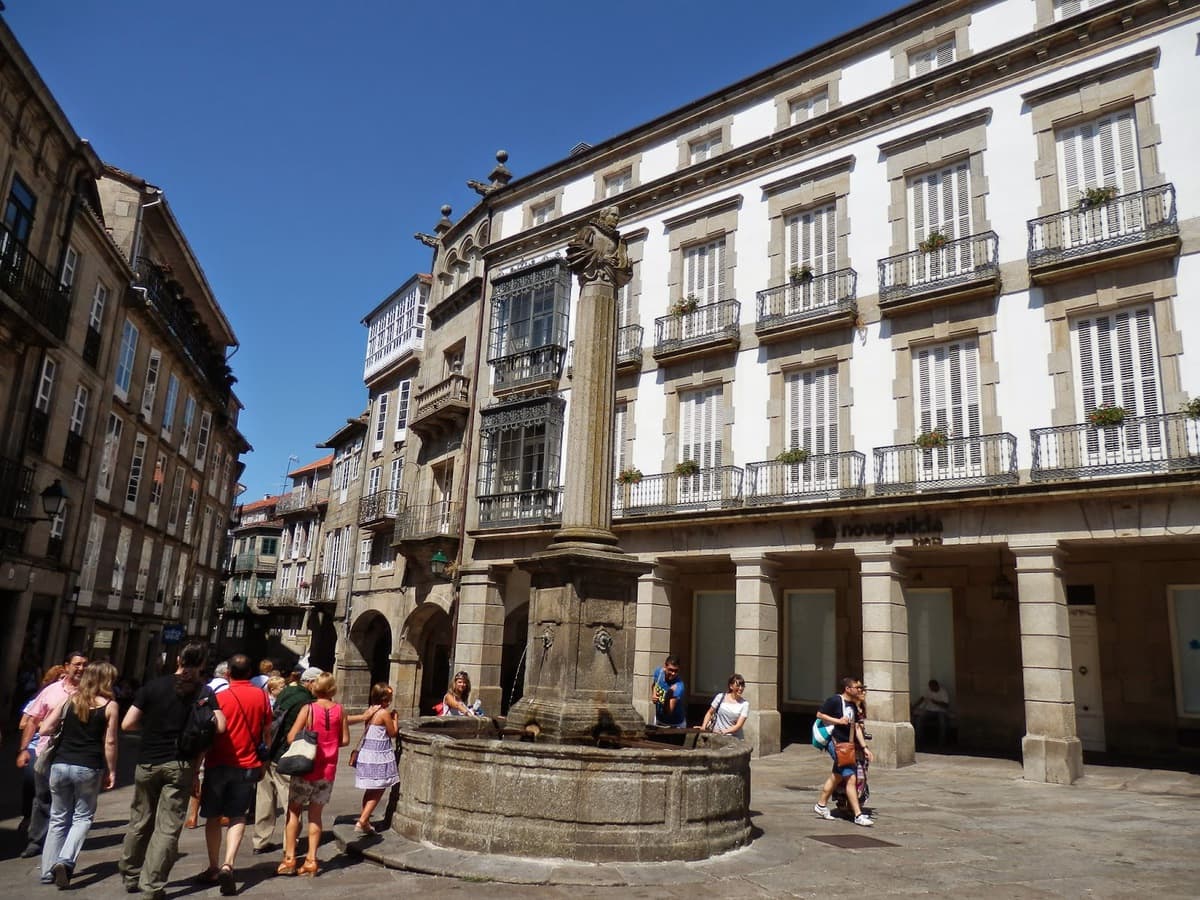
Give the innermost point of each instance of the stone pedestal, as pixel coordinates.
(1051, 749)
(885, 659)
(579, 665)
(756, 650)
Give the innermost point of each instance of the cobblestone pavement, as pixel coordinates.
(950, 825)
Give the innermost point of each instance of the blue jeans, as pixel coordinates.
(74, 792)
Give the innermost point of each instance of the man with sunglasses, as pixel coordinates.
(840, 711)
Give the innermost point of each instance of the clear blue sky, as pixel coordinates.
(301, 144)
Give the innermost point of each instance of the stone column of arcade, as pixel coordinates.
(1051, 750)
(756, 650)
(885, 659)
(653, 632)
(480, 643)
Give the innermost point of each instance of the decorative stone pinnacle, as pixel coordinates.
(500, 176)
(444, 224)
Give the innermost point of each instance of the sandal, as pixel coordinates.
(287, 867)
(225, 877)
(310, 867)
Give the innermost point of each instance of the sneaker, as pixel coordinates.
(864, 820)
(31, 851)
(822, 812)
(61, 875)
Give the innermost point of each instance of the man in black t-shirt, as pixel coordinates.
(163, 781)
(840, 711)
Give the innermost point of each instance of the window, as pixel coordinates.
(939, 202)
(930, 639)
(169, 404)
(529, 324)
(947, 380)
(620, 419)
(143, 572)
(45, 389)
(811, 421)
(58, 528)
(202, 438)
(1101, 153)
(715, 623)
(96, 313)
(91, 559)
(364, 556)
(700, 434)
(129, 340)
(189, 418)
(164, 574)
(373, 478)
(70, 264)
(541, 213)
(121, 558)
(79, 409)
(704, 272)
(519, 462)
(176, 500)
(812, 244)
(189, 516)
(704, 148)
(925, 60)
(618, 182)
(395, 473)
(1184, 602)
(269, 546)
(802, 109)
(404, 399)
(150, 388)
(19, 212)
(1065, 8)
(381, 411)
(135, 473)
(108, 458)
(811, 622)
(156, 489)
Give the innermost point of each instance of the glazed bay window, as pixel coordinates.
(529, 325)
(519, 462)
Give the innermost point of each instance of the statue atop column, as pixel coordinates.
(598, 255)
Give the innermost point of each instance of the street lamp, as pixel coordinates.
(438, 563)
(54, 501)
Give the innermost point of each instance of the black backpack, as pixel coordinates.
(200, 728)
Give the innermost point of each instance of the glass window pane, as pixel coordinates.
(930, 641)
(1185, 625)
(811, 647)
(713, 650)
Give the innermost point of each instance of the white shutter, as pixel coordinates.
(812, 411)
(700, 433)
(704, 272)
(120, 559)
(1064, 8)
(921, 62)
(1118, 362)
(1099, 153)
(202, 438)
(619, 416)
(136, 464)
(403, 401)
(164, 574)
(45, 389)
(947, 380)
(381, 410)
(79, 409)
(150, 388)
(812, 240)
(941, 201)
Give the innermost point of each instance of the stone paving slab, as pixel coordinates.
(962, 826)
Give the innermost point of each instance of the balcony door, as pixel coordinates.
(1117, 361)
(947, 384)
(812, 425)
(704, 279)
(1101, 153)
(812, 244)
(939, 203)
(442, 498)
(700, 442)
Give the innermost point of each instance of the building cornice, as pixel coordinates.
(725, 204)
(960, 123)
(1141, 60)
(834, 167)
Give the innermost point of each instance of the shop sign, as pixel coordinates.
(172, 634)
(103, 641)
(923, 531)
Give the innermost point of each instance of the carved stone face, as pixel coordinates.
(610, 216)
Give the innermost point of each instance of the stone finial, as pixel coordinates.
(444, 224)
(500, 175)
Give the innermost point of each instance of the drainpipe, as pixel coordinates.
(136, 246)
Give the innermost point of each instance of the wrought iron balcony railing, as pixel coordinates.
(1085, 229)
(429, 520)
(826, 476)
(962, 261)
(324, 588)
(379, 507)
(629, 345)
(528, 366)
(801, 301)
(16, 489)
(712, 323)
(715, 488)
(1165, 442)
(301, 500)
(971, 461)
(32, 285)
(533, 507)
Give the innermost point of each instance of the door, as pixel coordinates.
(931, 642)
(1085, 660)
(939, 203)
(947, 381)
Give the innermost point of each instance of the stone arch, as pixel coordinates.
(429, 637)
(366, 656)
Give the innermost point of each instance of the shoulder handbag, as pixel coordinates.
(846, 755)
(366, 727)
(299, 757)
(711, 724)
(48, 745)
(821, 732)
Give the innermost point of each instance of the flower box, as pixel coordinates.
(1106, 416)
(800, 274)
(687, 468)
(930, 440)
(793, 456)
(1191, 408)
(629, 476)
(1097, 196)
(684, 306)
(934, 241)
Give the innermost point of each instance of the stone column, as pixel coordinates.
(480, 636)
(885, 659)
(653, 642)
(756, 649)
(1051, 751)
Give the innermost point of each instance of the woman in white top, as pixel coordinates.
(728, 711)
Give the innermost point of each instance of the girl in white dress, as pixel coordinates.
(375, 768)
(728, 711)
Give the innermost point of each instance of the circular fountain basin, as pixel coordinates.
(671, 796)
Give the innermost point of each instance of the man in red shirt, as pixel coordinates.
(232, 769)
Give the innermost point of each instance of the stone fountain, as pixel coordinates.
(573, 772)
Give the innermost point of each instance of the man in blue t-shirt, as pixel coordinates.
(666, 693)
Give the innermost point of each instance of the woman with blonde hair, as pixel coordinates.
(312, 791)
(457, 699)
(87, 747)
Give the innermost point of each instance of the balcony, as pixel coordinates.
(324, 588)
(72, 452)
(961, 462)
(1167, 442)
(715, 488)
(824, 301)
(1087, 238)
(706, 329)
(955, 270)
(35, 289)
(430, 520)
(629, 348)
(301, 501)
(254, 563)
(16, 498)
(442, 408)
(534, 507)
(378, 511)
(826, 476)
(540, 367)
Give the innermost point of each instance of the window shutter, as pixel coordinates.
(1118, 362)
(944, 55)
(1100, 153)
(1064, 8)
(704, 274)
(619, 437)
(947, 379)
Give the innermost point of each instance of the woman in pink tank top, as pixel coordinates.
(312, 791)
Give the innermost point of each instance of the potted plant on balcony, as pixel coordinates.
(930, 440)
(800, 274)
(1097, 196)
(686, 468)
(629, 476)
(685, 305)
(793, 456)
(1192, 408)
(934, 241)
(1106, 415)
